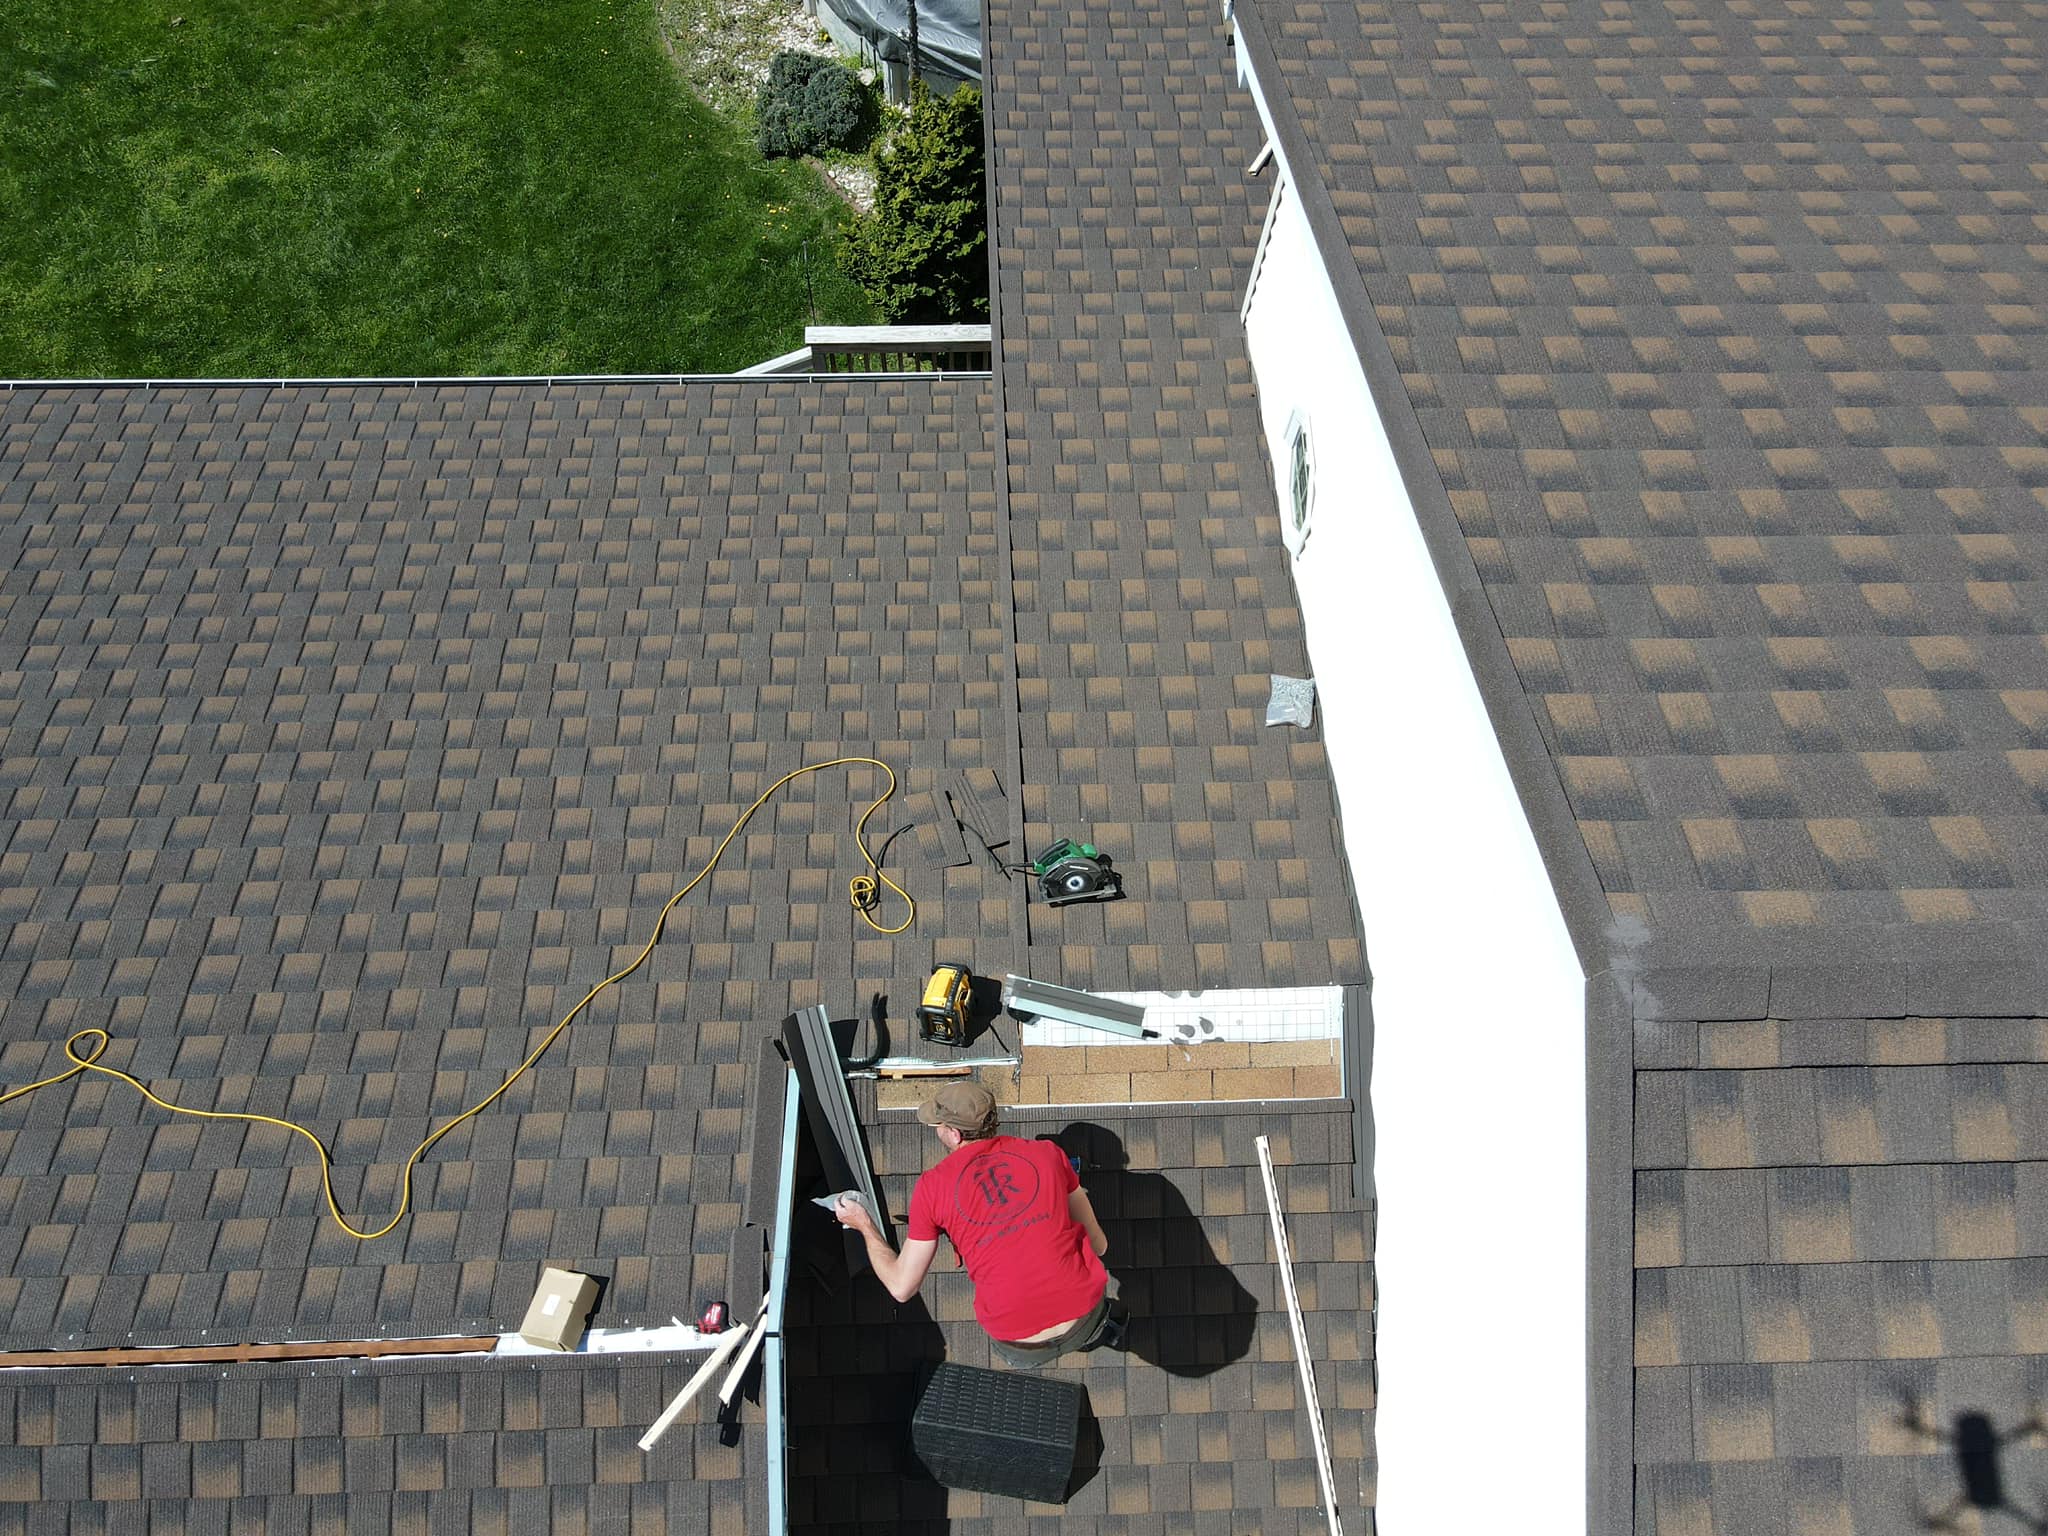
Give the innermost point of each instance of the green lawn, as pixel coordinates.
(205, 187)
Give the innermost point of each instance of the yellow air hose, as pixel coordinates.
(863, 890)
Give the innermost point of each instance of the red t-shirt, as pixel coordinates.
(1003, 1202)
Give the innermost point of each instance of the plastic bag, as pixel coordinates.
(1293, 701)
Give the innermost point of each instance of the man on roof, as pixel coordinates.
(1016, 1214)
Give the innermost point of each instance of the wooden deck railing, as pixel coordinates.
(886, 349)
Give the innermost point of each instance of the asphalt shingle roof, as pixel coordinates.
(1153, 601)
(1153, 596)
(352, 734)
(1722, 323)
(1718, 326)
(330, 1447)
(348, 733)
(1821, 1252)
(1199, 1420)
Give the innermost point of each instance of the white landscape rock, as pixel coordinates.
(725, 50)
(854, 181)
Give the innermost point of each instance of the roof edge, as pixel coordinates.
(469, 381)
(1983, 970)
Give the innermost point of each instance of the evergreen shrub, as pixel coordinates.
(922, 255)
(811, 104)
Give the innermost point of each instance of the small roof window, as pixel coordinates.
(1299, 503)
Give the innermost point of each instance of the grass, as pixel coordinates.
(213, 188)
(724, 47)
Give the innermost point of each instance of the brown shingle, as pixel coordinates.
(1819, 323)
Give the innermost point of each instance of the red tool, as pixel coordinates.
(713, 1320)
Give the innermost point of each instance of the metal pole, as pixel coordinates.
(1300, 1332)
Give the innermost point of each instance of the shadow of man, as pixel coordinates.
(856, 1359)
(1188, 1314)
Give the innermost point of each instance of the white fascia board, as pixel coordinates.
(1273, 202)
(1249, 79)
(1479, 1051)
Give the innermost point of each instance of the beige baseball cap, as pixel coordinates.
(966, 1106)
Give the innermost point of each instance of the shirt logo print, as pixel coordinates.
(995, 1191)
(996, 1185)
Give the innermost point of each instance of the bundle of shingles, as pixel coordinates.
(965, 803)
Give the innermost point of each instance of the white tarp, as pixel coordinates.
(948, 31)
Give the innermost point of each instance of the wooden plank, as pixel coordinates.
(868, 338)
(710, 1368)
(236, 1354)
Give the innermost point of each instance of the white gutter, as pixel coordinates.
(773, 1390)
(676, 1338)
(446, 381)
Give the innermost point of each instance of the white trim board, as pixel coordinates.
(1478, 1083)
(675, 1338)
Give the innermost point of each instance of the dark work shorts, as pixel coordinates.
(1080, 1336)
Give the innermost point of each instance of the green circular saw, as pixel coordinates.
(1069, 871)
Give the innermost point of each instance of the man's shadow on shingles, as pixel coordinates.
(856, 1369)
(1189, 1316)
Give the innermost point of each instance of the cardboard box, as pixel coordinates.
(560, 1308)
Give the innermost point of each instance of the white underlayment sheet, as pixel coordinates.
(1198, 1018)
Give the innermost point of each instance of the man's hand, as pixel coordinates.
(900, 1273)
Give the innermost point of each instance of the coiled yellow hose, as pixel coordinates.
(863, 890)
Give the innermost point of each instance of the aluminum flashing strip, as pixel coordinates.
(1251, 286)
(774, 1400)
(798, 361)
(1028, 999)
(821, 1087)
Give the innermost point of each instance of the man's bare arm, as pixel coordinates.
(1079, 1207)
(900, 1273)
